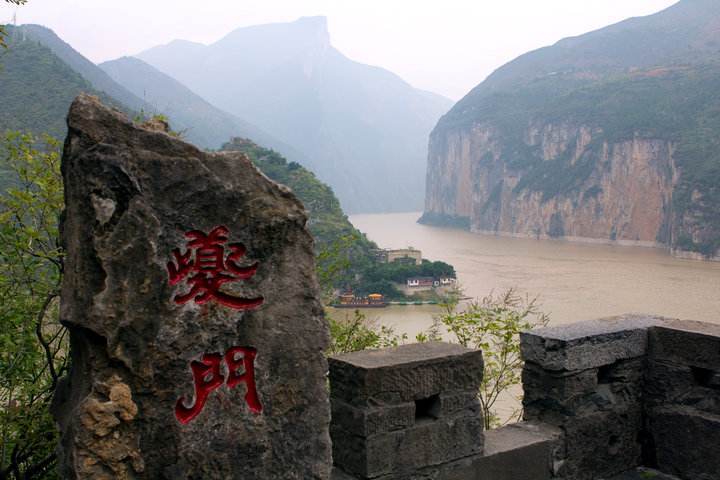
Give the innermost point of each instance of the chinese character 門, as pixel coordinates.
(207, 377)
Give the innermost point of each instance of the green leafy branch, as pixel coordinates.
(33, 344)
(492, 324)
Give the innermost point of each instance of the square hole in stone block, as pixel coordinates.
(605, 374)
(705, 377)
(427, 408)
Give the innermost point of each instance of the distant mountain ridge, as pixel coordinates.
(363, 128)
(608, 136)
(141, 89)
(200, 122)
(87, 69)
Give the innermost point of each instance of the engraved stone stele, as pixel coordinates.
(197, 336)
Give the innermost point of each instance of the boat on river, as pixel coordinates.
(349, 300)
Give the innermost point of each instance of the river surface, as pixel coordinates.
(573, 281)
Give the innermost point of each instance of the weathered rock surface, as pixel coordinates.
(588, 344)
(627, 198)
(643, 474)
(180, 259)
(678, 431)
(588, 379)
(406, 412)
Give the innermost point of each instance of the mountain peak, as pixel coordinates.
(313, 30)
(319, 21)
(302, 33)
(316, 27)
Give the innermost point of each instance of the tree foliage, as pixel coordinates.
(33, 344)
(399, 271)
(355, 332)
(492, 324)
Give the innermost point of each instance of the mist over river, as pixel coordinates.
(574, 281)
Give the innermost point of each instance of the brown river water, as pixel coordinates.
(574, 281)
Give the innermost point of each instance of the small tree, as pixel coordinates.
(492, 324)
(33, 344)
(356, 332)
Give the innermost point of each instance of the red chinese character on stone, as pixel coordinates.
(246, 361)
(206, 268)
(240, 363)
(207, 377)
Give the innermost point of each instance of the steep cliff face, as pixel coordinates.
(624, 192)
(592, 139)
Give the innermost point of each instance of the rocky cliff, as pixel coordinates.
(627, 195)
(611, 136)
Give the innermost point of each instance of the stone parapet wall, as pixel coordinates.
(625, 392)
(588, 380)
(406, 410)
(682, 399)
(626, 397)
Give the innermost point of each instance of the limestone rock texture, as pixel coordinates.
(132, 195)
(626, 196)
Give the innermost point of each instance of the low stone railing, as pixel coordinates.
(602, 397)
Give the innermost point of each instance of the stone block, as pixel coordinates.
(367, 421)
(454, 403)
(550, 395)
(601, 445)
(523, 451)
(589, 344)
(553, 395)
(687, 342)
(687, 442)
(670, 384)
(404, 374)
(428, 443)
(190, 297)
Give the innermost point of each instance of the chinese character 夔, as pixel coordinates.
(206, 266)
(207, 377)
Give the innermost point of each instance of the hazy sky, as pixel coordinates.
(446, 46)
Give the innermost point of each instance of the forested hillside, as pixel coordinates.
(37, 88)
